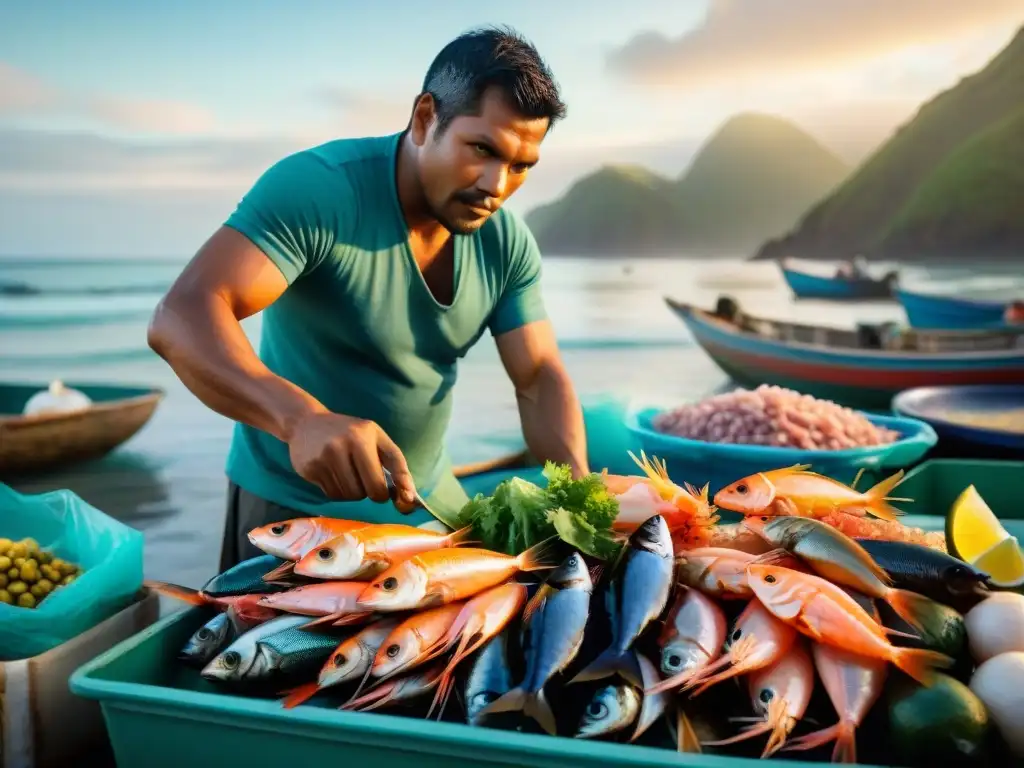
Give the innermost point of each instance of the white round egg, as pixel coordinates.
(999, 683)
(995, 626)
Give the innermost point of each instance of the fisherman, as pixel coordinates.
(377, 264)
(853, 269)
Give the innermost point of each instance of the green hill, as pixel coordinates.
(750, 181)
(949, 181)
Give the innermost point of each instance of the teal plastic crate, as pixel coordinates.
(161, 716)
(935, 484)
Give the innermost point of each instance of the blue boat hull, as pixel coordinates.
(946, 409)
(805, 286)
(948, 312)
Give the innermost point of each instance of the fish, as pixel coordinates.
(796, 491)
(234, 662)
(397, 691)
(215, 635)
(637, 596)
(351, 660)
(553, 625)
(928, 572)
(722, 573)
(853, 684)
(364, 553)
(331, 601)
(239, 586)
(692, 636)
(652, 706)
(481, 618)
(414, 641)
(489, 677)
(687, 510)
(446, 575)
(735, 536)
(836, 557)
(291, 539)
(826, 614)
(758, 639)
(613, 708)
(780, 694)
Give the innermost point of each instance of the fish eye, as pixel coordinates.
(766, 695)
(231, 659)
(597, 710)
(573, 559)
(765, 519)
(389, 583)
(393, 650)
(279, 529)
(325, 553)
(674, 660)
(769, 579)
(742, 488)
(204, 634)
(737, 635)
(339, 659)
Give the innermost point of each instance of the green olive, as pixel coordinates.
(44, 558)
(26, 600)
(17, 550)
(68, 579)
(5, 544)
(50, 572)
(19, 561)
(5, 597)
(30, 571)
(17, 588)
(5, 563)
(44, 585)
(14, 573)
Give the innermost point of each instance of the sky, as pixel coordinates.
(134, 128)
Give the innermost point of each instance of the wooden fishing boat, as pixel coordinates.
(807, 286)
(39, 442)
(929, 311)
(863, 367)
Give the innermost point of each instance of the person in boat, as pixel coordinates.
(377, 263)
(853, 269)
(1014, 314)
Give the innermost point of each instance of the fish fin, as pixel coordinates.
(537, 557)
(610, 663)
(843, 734)
(687, 739)
(856, 479)
(730, 665)
(782, 558)
(897, 633)
(351, 619)
(920, 664)
(461, 537)
(596, 572)
(322, 621)
(359, 688)
(676, 681)
(299, 695)
(878, 499)
(283, 571)
(533, 705)
(176, 591)
(917, 610)
(538, 598)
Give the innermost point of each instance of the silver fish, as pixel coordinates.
(637, 597)
(489, 677)
(208, 640)
(353, 658)
(613, 708)
(653, 705)
(554, 622)
(235, 661)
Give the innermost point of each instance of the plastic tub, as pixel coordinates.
(161, 716)
(720, 464)
(935, 485)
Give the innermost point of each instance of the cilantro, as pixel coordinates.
(520, 514)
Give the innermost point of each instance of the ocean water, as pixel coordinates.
(85, 320)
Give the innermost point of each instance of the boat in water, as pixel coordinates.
(930, 311)
(838, 287)
(862, 367)
(108, 416)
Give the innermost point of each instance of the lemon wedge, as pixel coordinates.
(1004, 563)
(972, 529)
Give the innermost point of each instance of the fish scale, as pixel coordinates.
(246, 578)
(489, 676)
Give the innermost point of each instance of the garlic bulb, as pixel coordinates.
(56, 399)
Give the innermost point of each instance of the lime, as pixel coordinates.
(944, 723)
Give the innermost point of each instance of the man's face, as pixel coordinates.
(470, 169)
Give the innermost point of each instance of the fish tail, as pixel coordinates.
(176, 591)
(299, 695)
(609, 663)
(283, 571)
(537, 557)
(460, 537)
(533, 705)
(878, 498)
(842, 733)
(687, 739)
(920, 664)
(917, 610)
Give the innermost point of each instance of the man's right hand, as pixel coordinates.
(346, 458)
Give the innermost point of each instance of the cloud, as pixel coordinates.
(759, 38)
(24, 95)
(366, 113)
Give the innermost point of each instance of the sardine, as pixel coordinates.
(929, 572)
(554, 622)
(489, 677)
(234, 662)
(613, 708)
(233, 587)
(638, 595)
(692, 637)
(836, 557)
(214, 636)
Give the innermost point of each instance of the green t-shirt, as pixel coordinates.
(357, 327)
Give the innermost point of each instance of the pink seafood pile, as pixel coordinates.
(773, 416)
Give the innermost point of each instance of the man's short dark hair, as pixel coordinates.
(491, 57)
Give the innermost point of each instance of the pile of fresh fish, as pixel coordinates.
(369, 616)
